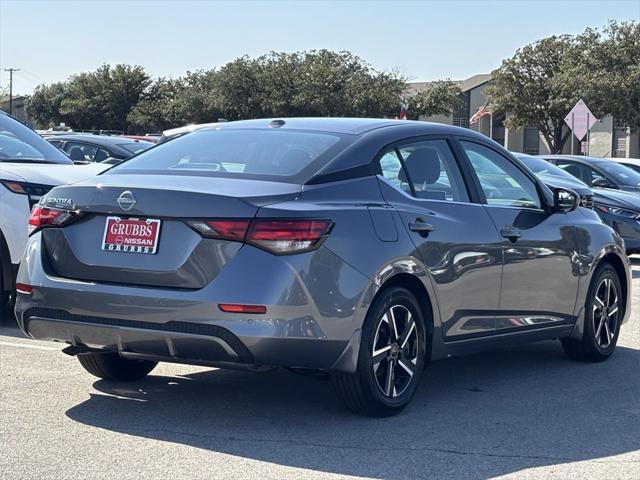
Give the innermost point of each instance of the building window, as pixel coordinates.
(619, 140)
(531, 141)
(461, 122)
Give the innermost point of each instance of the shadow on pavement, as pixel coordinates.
(477, 416)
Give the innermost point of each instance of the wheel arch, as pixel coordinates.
(617, 263)
(416, 287)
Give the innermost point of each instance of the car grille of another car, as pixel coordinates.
(586, 201)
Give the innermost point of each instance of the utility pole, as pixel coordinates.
(11, 70)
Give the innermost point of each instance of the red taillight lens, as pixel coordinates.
(44, 216)
(235, 308)
(24, 288)
(234, 229)
(288, 236)
(279, 236)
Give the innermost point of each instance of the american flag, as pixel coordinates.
(481, 112)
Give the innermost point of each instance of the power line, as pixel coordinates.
(11, 70)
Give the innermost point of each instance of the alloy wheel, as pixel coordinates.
(605, 312)
(395, 351)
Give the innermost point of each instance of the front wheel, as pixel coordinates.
(604, 311)
(393, 354)
(111, 366)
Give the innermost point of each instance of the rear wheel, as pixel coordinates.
(604, 311)
(111, 366)
(392, 356)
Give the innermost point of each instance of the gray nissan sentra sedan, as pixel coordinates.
(362, 248)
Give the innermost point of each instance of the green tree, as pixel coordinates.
(159, 107)
(605, 70)
(530, 88)
(43, 105)
(441, 97)
(103, 99)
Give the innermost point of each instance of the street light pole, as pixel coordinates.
(11, 70)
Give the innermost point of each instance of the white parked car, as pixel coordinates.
(29, 167)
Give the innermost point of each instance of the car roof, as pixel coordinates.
(347, 126)
(105, 140)
(578, 158)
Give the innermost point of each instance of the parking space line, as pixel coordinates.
(24, 345)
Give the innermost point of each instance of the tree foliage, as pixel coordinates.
(529, 88)
(605, 70)
(540, 84)
(313, 83)
(441, 97)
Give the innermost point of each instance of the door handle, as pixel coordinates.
(511, 233)
(421, 227)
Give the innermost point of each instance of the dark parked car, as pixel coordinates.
(598, 172)
(362, 248)
(553, 176)
(98, 148)
(617, 207)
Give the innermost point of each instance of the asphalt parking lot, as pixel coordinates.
(525, 412)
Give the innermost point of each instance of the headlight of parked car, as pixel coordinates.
(33, 190)
(618, 212)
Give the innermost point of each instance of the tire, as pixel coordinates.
(600, 335)
(111, 366)
(4, 294)
(369, 391)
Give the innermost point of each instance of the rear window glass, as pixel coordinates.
(246, 153)
(21, 144)
(135, 147)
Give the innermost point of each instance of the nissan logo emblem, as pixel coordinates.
(126, 200)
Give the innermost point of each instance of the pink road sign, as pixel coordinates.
(580, 119)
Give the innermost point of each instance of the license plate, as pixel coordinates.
(131, 235)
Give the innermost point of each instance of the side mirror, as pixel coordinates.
(604, 183)
(565, 201)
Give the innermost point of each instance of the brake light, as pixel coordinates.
(41, 217)
(278, 236)
(288, 236)
(24, 288)
(235, 308)
(228, 229)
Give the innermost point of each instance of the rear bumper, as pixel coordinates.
(302, 327)
(180, 342)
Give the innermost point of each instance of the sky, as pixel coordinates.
(424, 40)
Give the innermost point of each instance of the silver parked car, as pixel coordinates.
(362, 248)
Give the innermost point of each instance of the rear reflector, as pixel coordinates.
(235, 308)
(24, 288)
(41, 217)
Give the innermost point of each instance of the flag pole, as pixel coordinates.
(573, 149)
(491, 124)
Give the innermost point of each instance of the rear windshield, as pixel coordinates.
(542, 167)
(135, 147)
(273, 154)
(624, 175)
(21, 144)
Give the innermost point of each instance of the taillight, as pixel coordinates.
(288, 236)
(47, 217)
(278, 236)
(24, 288)
(225, 229)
